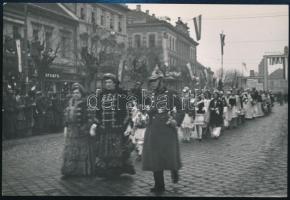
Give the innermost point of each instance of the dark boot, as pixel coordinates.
(159, 182)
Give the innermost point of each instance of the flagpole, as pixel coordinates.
(222, 67)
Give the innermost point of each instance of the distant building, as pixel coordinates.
(277, 81)
(170, 45)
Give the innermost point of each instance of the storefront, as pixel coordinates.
(58, 82)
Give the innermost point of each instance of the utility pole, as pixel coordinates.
(25, 50)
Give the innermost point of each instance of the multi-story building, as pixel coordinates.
(84, 36)
(277, 81)
(171, 45)
(50, 31)
(102, 35)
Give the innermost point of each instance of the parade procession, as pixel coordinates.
(97, 92)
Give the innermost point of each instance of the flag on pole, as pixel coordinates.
(222, 36)
(121, 67)
(18, 48)
(197, 25)
(205, 74)
(244, 65)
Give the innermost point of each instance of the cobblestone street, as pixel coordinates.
(248, 161)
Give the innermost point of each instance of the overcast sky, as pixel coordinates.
(248, 35)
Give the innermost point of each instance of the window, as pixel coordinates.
(120, 24)
(112, 22)
(16, 34)
(169, 42)
(130, 41)
(93, 18)
(83, 14)
(65, 44)
(137, 40)
(152, 40)
(35, 34)
(173, 44)
(48, 35)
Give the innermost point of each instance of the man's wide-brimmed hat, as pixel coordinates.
(156, 74)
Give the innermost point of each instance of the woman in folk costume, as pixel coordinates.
(187, 124)
(161, 146)
(207, 99)
(199, 121)
(264, 102)
(140, 120)
(248, 105)
(254, 95)
(259, 105)
(216, 115)
(234, 110)
(227, 112)
(110, 123)
(79, 152)
(239, 104)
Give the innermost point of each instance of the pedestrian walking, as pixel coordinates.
(161, 147)
(234, 110)
(199, 122)
(248, 104)
(216, 115)
(227, 110)
(259, 105)
(79, 153)
(188, 122)
(140, 121)
(9, 114)
(111, 120)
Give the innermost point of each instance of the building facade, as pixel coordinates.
(51, 33)
(277, 81)
(101, 39)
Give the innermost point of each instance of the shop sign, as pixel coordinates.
(52, 75)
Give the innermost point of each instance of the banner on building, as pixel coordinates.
(18, 48)
(197, 25)
(190, 71)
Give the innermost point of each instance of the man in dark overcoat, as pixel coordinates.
(161, 147)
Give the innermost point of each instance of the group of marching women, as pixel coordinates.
(213, 111)
(101, 135)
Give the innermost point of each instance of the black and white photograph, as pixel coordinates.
(146, 99)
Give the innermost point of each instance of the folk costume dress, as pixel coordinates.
(216, 116)
(199, 122)
(248, 104)
(254, 96)
(161, 146)
(188, 120)
(79, 150)
(140, 122)
(113, 147)
(227, 111)
(259, 106)
(234, 110)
